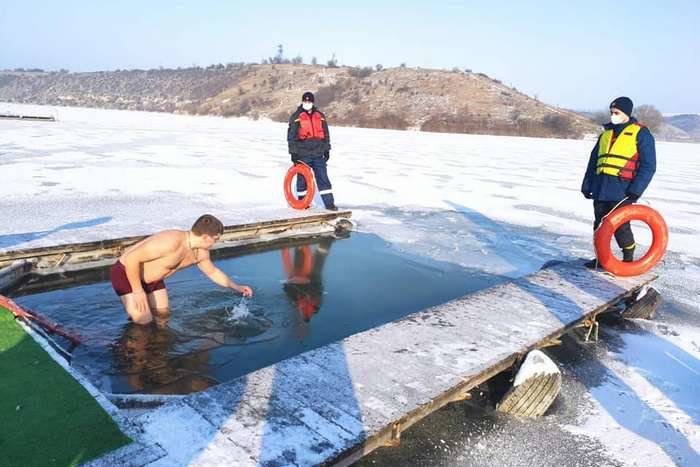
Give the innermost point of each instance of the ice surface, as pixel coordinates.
(501, 204)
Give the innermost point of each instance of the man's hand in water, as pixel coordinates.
(244, 290)
(141, 302)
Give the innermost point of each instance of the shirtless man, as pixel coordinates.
(137, 276)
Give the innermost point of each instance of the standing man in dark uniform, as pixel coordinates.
(310, 143)
(620, 168)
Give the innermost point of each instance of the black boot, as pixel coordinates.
(592, 264)
(628, 255)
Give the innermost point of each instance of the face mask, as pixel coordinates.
(307, 105)
(616, 119)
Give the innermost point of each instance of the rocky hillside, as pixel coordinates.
(688, 123)
(398, 98)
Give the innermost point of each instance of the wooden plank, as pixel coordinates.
(14, 273)
(259, 415)
(547, 311)
(92, 272)
(201, 440)
(111, 248)
(28, 117)
(338, 402)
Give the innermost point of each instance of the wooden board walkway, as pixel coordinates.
(40, 118)
(336, 403)
(89, 256)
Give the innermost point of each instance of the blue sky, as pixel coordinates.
(578, 56)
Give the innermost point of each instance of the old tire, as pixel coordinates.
(532, 395)
(644, 307)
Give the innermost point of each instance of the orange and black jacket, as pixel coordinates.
(307, 134)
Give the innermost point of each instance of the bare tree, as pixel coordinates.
(280, 54)
(361, 73)
(298, 60)
(333, 62)
(601, 116)
(558, 124)
(314, 61)
(279, 57)
(649, 116)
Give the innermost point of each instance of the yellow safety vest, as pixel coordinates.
(619, 156)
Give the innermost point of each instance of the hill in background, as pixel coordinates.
(396, 98)
(688, 123)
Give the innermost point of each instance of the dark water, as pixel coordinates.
(305, 296)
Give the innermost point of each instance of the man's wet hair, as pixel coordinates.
(209, 225)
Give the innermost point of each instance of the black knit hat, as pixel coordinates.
(307, 96)
(623, 104)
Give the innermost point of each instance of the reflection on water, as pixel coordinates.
(144, 358)
(304, 284)
(307, 295)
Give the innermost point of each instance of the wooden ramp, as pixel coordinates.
(336, 403)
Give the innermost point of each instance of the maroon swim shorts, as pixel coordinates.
(117, 274)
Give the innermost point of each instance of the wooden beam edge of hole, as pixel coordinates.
(76, 251)
(390, 435)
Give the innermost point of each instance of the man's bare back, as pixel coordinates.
(137, 277)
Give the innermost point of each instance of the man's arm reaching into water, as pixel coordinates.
(219, 277)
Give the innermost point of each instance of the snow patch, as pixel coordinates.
(536, 364)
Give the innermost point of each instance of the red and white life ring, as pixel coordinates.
(632, 212)
(301, 170)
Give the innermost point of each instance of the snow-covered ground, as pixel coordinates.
(502, 204)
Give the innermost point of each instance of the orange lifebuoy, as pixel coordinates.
(302, 170)
(298, 275)
(632, 212)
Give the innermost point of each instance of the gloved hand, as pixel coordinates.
(295, 158)
(632, 197)
(587, 194)
(326, 156)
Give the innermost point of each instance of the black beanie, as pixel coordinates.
(623, 104)
(307, 96)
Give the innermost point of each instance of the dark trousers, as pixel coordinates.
(318, 165)
(623, 235)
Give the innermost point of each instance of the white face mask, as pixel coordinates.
(307, 105)
(616, 119)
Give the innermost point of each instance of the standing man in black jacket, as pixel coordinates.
(620, 168)
(310, 143)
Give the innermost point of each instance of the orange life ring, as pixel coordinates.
(298, 275)
(631, 212)
(301, 170)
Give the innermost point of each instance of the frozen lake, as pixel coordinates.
(504, 205)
